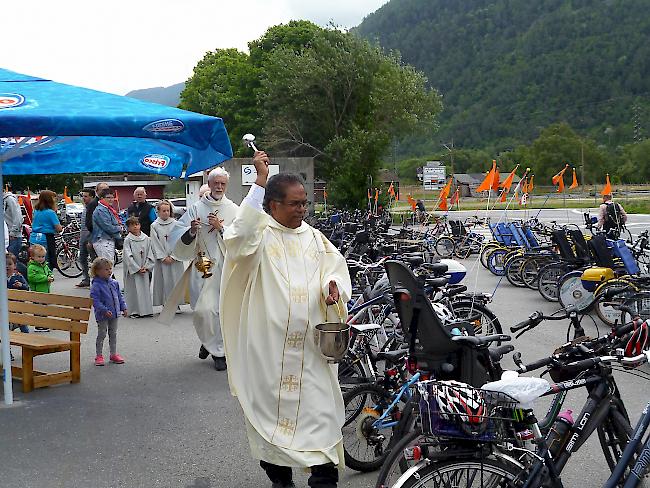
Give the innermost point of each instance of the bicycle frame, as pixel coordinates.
(403, 391)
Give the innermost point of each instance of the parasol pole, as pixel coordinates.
(4, 317)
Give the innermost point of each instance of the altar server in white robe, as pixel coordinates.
(138, 264)
(201, 229)
(168, 270)
(279, 277)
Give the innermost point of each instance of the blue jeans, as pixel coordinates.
(15, 244)
(23, 328)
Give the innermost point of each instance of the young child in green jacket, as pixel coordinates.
(39, 274)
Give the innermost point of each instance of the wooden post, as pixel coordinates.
(28, 370)
(75, 357)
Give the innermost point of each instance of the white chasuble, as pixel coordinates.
(204, 292)
(274, 286)
(165, 276)
(137, 254)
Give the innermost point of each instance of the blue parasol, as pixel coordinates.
(53, 128)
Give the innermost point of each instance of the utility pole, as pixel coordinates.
(636, 117)
(450, 148)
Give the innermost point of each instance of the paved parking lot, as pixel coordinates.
(166, 418)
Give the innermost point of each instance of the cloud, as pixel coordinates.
(346, 13)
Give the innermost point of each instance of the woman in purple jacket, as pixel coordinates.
(109, 304)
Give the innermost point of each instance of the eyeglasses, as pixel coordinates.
(296, 204)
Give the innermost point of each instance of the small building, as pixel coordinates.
(469, 182)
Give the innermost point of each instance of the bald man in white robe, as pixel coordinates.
(279, 277)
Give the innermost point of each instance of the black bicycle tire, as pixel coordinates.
(508, 473)
(350, 461)
(491, 267)
(621, 427)
(513, 270)
(352, 361)
(486, 251)
(445, 254)
(545, 269)
(72, 264)
(483, 310)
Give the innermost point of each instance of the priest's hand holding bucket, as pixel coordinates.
(333, 338)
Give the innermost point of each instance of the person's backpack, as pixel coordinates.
(613, 218)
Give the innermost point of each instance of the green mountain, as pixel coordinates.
(170, 95)
(508, 68)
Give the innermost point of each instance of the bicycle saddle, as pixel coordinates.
(437, 282)
(393, 357)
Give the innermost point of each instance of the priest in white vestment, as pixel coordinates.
(200, 229)
(279, 277)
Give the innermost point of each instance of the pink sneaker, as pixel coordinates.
(99, 360)
(117, 359)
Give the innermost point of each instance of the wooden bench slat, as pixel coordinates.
(49, 322)
(37, 341)
(49, 311)
(50, 379)
(50, 298)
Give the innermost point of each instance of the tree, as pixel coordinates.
(342, 100)
(225, 84)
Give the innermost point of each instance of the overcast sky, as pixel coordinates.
(121, 45)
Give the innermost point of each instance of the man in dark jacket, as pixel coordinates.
(142, 209)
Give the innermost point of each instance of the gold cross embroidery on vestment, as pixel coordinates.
(290, 383)
(296, 340)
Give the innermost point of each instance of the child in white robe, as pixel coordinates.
(138, 264)
(167, 270)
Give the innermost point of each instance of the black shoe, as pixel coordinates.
(220, 363)
(41, 329)
(83, 284)
(203, 352)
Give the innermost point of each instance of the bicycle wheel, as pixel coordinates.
(487, 250)
(468, 473)
(365, 446)
(605, 309)
(67, 262)
(496, 262)
(445, 247)
(484, 321)
(351, 372)
(529, 272)
(399, 459)
(513, 271)
(613, 435)
(547, 280)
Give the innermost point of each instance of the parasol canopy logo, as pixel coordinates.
(155, 161)
(165, 125)
(11, 100)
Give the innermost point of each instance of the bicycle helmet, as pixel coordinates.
(443, 313)
(460, 402)
(638, 341)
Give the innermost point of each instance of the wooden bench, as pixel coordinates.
(56, 312)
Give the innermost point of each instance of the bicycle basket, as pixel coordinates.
(450, 409)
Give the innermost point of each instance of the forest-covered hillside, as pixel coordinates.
(508, 68)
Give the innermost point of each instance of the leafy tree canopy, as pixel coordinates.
(316, 92)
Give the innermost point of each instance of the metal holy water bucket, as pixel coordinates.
(332, 339)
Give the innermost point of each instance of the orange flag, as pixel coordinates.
(495, 180)
(444, 194)
(507, 183)
(607, 190)
(524, 186)
(397, 197)
(324, 194)
(391, 190)
(369, 197)
(574, 184)
(531, 184)
(488, 181)
(376, 194)
(66, 198)
(455, 199)
(558, 179)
